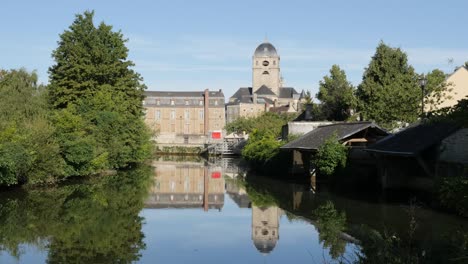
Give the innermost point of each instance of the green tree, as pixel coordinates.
(261, 147)
(436, 89)
(336, 95)
(330, 156)
(29, 151)
(268, 122)
(98, 99)
(389, 92)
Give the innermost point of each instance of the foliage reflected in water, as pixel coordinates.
(330, 224)
(95, 221)
(382, 233)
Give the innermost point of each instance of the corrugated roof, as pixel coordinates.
(315, 138)
(414, 139)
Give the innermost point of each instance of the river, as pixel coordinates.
(191, 210)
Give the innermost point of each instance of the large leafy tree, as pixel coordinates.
(98, 99)
(336, 95)
(88, 58)
(389, 92)
(28, 150)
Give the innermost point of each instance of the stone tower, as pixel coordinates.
(266, 68)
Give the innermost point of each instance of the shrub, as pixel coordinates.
(330, 156)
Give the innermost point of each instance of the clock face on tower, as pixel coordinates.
(265, 63)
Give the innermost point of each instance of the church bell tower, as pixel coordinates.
(266, 68)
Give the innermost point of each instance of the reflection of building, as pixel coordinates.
(186, 185)
(185, 117)
(265, 227)
(238, 194)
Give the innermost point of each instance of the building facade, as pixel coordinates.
(457, 84)
(185, 118)
(267, 92)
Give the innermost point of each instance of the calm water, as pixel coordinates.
(197, 211)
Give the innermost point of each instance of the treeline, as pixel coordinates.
(88, 119)
(390, 93)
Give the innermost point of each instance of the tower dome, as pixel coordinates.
(265, 49)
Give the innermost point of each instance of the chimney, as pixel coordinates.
(308, 112)
(206, 110)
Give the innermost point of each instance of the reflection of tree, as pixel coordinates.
(93, 222)
(331, 224)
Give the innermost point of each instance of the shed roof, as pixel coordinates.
(315, 138)
(413, 139)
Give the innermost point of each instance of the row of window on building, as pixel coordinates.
(201, 114)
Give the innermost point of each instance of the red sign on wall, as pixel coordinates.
(216, 135)
(216, 175)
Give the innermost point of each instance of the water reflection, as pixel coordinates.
(95, 221)
(181, 211)
(189, 184)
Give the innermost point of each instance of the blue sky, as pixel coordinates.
(193, 45)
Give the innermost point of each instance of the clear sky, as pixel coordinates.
(193, 45)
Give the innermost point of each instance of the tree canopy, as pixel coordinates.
(389, 92)
(29, 151)
(98, 99)
(336, 95)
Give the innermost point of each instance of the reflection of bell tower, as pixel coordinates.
(265, 227)
(266, 68)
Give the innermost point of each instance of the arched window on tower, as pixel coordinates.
(274, 62)
(265, 73)
(256, 63)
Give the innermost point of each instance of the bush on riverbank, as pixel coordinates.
(453, 193)
(29, 150)
(453, 190)
(330, 156)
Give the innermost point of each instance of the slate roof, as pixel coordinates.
(315, 138)
(287, 92)
(264, 90)
(183, 94)
(265, 49)
(413, 140)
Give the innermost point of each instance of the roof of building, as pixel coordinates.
(414, 139)
(265, 49)
(315, 138)
(287, 92)
(264, 90)
(183, 94)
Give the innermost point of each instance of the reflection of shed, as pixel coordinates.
(408, 159)
(354, 134)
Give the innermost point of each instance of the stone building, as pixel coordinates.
(185, 118)
(267, 92)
